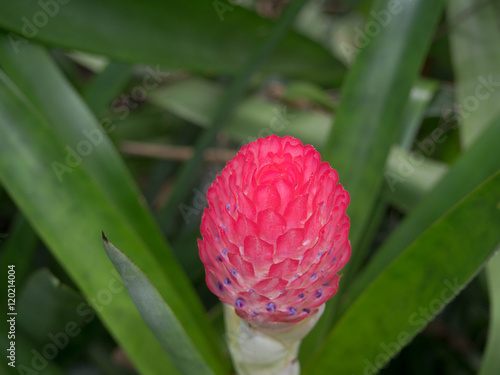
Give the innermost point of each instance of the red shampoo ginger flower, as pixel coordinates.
(275, 234)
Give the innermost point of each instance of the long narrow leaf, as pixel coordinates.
(373, 100)
(368, 120)
(478, 105)
(463, 177)
(415, 287)
(157, 314)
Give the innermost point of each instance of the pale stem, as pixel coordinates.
(266, 348)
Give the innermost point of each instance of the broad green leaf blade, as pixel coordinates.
(157, 314)
(204, 36)
(432, 270)
(462, 177)
(65, 215)
(475, 55)
(491, 362)
(85, 145)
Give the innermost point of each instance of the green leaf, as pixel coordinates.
(475, 55)
(373, 100)
(461, 179)
(39, 130)
(157, 314)
(196, 100)
(479, 104)
(491, 363)
(46, 306)
(75, 127)
(64, 224)
(405, 193)
(204, 36)
(307, 92)
(25, 70)
(432, 270)
(420, 96)
(106, 85)
(21, 239)
(29, 359)
(370, 113)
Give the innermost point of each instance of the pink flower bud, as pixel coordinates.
(275, 234)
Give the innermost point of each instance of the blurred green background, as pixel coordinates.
(116, 116)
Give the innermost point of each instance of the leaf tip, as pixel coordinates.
(104, 238)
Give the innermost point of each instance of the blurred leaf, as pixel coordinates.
(28, 359)
(158, 315)
(416, 185)
(22, 240)
(420, 96)
(212, 37)
(432, 270)
(94, 63)
(36, 134)
(475, 56)
(106, 85)
(301, 91)
(185, 247)
(197, 99)
(46, 307)
(491, 362)
(19, 249)
(420, 177)
(426, 171)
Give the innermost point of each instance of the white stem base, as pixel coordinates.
(266, 348)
